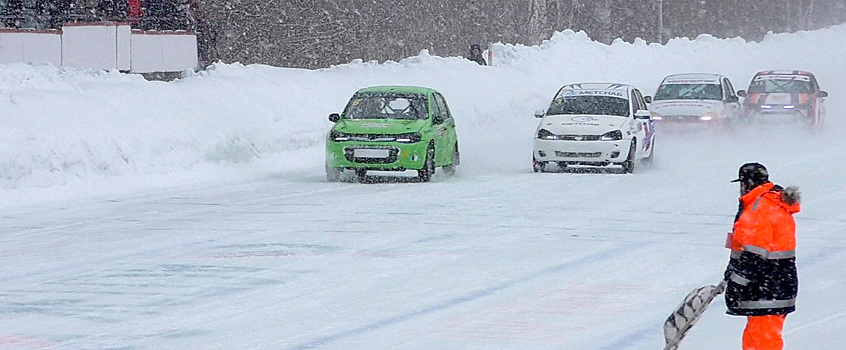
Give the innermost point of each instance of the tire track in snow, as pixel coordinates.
(600, 256)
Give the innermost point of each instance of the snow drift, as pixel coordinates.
(62, 126)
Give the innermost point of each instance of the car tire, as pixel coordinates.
(361, 175)
(537, 166)
(333, 174)
(456, 161)
(425, 174)
(629, 163)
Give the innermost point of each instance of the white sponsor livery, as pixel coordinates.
(594, 124)
(692, 81)
(601, 93)
(693, 99)
(782, 77)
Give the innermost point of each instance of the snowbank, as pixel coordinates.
(62, 126)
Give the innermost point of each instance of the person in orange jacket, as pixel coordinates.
(762, 283)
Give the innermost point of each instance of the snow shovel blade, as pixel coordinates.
(694, 305)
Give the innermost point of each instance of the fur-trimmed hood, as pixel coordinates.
(787, 198)
(791, 195)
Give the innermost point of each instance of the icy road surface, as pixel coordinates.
(502, 259)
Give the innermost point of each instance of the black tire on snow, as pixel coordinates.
(425, 174)
(456, 161)
(629, 163)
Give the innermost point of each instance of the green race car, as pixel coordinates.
(392, 128)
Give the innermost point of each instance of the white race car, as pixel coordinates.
(694, 100)
(594, 124)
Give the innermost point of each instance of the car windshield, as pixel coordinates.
(597, 105)
(689, 92)
(386, 106)
(795, 86)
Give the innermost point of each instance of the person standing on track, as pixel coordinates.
(762, 282)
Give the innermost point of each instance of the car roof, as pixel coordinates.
(784, 72)
(693, 78)
(398, 89)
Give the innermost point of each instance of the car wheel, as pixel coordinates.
(361, 174)
(456, 161)
(629, 163)
(537, 166)
(428, 170)
(332, 174)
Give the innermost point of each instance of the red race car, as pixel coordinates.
(784, 97)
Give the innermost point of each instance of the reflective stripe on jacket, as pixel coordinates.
(761, 275)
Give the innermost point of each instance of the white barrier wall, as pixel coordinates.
(102, 46)
(163, 51)
(96, 46)
(31, 47)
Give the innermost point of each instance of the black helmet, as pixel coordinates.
(754, 174)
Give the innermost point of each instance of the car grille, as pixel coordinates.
(373, 137)
(349, 154)
(578, 154)
(577, 137)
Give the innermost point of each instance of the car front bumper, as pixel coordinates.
(581, 152)
(387, 156)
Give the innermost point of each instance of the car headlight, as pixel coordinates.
(708, 116)
(544, 134)
(339, 136)
(409, 138)
(615, 135)
(656, 116)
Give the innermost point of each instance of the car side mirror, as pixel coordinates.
(539, 113)
(438, 120)
(334, 117)
(732, 99)
(642, 114)
(648, 99)
(823, 94)
(741, 93)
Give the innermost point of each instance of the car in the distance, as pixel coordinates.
(784, 97)
(392, 128)
(694, 100)
(594, 124)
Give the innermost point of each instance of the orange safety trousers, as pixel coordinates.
(763, 332)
